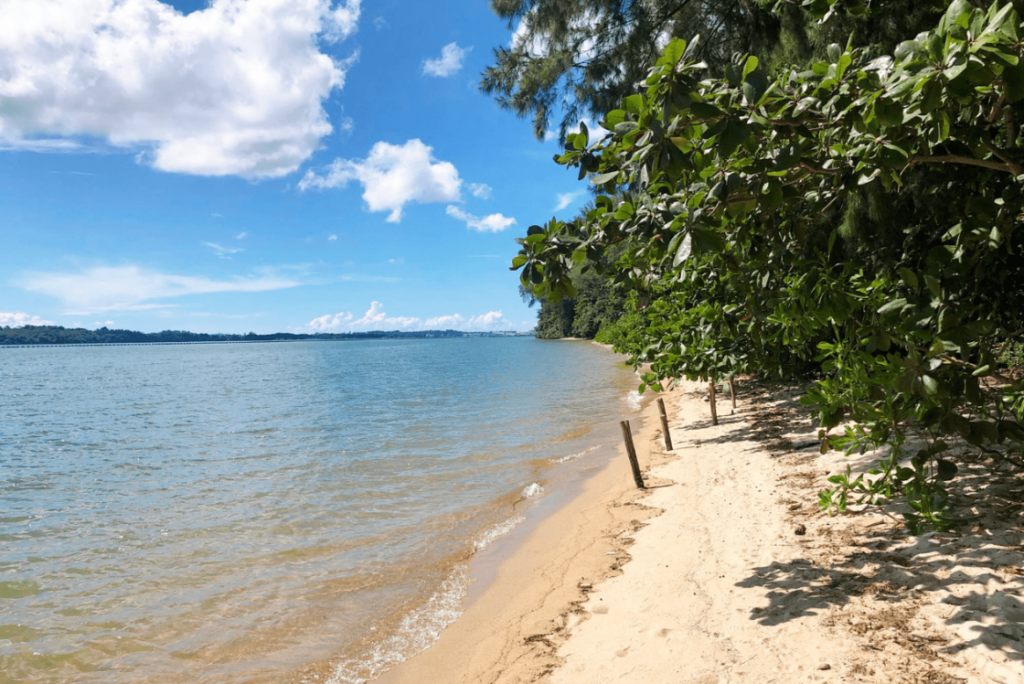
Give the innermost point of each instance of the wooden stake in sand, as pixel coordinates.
(732, 391)
(627, 436)
(714, 406)
(664, 425)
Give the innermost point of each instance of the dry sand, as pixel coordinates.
(704, 578)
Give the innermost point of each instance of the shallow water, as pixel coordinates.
(222, 512)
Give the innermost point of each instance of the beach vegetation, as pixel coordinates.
(856, 217)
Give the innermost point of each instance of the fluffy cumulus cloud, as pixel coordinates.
(377, 319)
(450, 61)
(130, 288)
(492, 223)
(393, 176)
(234, 89)
(481, 190)
(17, 319)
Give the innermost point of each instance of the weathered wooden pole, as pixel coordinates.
(664, 425)
(714, 407)
(732, 391)
(627, 436)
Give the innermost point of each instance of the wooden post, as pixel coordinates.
(664, 425)
(714, 407)
(732, 391)
(627, 436)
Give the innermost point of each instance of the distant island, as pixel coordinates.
(57, 334)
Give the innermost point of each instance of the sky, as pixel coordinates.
(263, 166)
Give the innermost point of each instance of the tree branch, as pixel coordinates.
(957, 159)
(1015, 168)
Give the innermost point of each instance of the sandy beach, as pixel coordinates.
(724, 570)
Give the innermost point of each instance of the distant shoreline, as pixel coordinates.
(58, 336)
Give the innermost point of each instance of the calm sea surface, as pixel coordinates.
(226, 513)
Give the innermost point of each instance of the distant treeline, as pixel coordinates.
(56, 334)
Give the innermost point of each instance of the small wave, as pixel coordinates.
(531, 490)
(417, 632)
(491, 533)
(633, 400)
(578, 454)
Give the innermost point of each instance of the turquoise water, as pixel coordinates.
(230, 512)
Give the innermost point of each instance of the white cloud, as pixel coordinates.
(17, 319)
(223, 252)
(234, 89)
(392, 176)
(376, 319)
(328, 323)
(566, 198)
(242, 236)
(492, 223)
(344, 20)
(103, 324)
(332, 238)
(448, 63)
(492, 320)
(481, 190)
(130, 288)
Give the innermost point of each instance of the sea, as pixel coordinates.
(232, 512)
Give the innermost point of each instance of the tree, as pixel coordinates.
(571, 58)
(762, 230)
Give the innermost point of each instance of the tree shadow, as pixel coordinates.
(974, 577)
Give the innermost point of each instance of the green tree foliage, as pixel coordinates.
(573, 58)
(859, 216)
(597, 304)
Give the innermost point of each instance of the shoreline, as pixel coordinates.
(723, 570)
(532, 587)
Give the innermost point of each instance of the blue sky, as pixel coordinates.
(263, 165)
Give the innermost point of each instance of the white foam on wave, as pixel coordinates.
(488, 536)
(532, 490)
(633, 400)
(578, 454)
(417, 632)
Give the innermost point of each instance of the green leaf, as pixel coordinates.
(613, 119)
(749, 66)
(703, 110)
(734, 134)
(909, 278)
(947, 470)
(888, 112)
(908, 49)
(684, 250)
(674, 52)
(707, 241)
(894, 305)
(634, 104)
